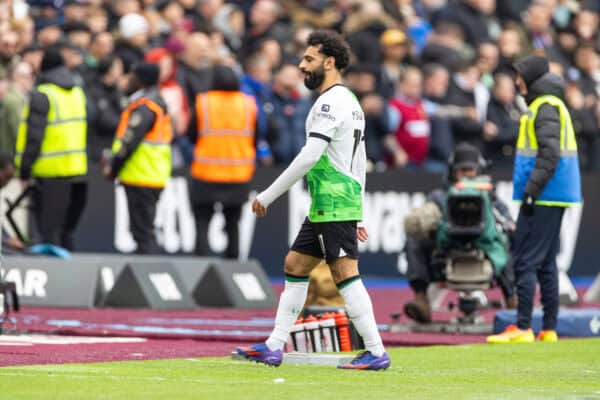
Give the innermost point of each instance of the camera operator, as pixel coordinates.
(422, 227)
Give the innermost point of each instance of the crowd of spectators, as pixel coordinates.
(428, 73)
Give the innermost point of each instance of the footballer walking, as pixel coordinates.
(334, 162)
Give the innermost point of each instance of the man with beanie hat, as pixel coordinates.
(422, 226)
(546, 180)
(141, 153)
(132, 39)
(51, 151)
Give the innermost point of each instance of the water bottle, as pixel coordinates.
(311, 324)
(298, 336)
(328, 333)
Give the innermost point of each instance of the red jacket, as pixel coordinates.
(414, 129)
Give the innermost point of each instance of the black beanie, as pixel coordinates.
(466, 156)
(147, 73)
(52, 59)
(532, 68)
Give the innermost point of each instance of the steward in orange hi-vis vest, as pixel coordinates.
(225, 150)
(223, 130)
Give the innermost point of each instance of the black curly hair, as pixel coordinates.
(331, 44)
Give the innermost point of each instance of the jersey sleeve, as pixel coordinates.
(326, 119)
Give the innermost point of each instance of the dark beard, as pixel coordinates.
(315, 79)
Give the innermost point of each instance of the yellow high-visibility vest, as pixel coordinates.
(150, 163)
(63, 149)
(564, 188)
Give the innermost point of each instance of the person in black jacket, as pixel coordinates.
(502, 125)
(108, 100)
(546, 180)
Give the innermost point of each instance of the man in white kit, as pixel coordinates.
(334, 162)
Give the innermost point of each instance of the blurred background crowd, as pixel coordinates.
(437, 69)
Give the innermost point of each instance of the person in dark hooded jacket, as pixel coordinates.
(51, 151)
(546, 180)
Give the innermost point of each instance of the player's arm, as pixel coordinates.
(324, 124)
(309, 155)
(361, 229)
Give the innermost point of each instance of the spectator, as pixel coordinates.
(362, 80)
(193, 71)
(75, 11)
(364, 29)
(97, 20)
(287, 110)
(9, 42)
(539, 29)
(473, 16)
(229, 20)
(74, 61)
(79, 34)
(106, 94)
(60, 190)
(102, 45)
(49, 34)
(177, 104)
(487, 62)
(585, 123)
(588, 65)
(21, 83)
(445, 47)
(394, 45)
(436, 79)
(409, 144)
(133, 30)
(257, 83)
(502, 126)
(466, 91)
(33, 56)
(270, 50)
(264, 24)
(172, 15)
(564, 47)
(25, 30)
(586, 22)
(510, 46)
(170, 90)
(223, 130)
(118, 9)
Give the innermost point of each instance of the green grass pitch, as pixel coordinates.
(569, 369)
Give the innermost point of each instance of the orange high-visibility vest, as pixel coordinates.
(225, 151)
(150, 163)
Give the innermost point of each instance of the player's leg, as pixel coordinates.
(360, 311)
(340, 245)
(293, 297)
(304, 256)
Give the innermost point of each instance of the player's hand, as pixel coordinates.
(362, 234)
(258, 208)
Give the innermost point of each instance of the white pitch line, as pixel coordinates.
(14, 340)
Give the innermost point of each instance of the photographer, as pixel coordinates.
(422, 227)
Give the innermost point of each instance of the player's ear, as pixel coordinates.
(329, 63)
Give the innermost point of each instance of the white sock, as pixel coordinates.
(360, 312)
(291, 302)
